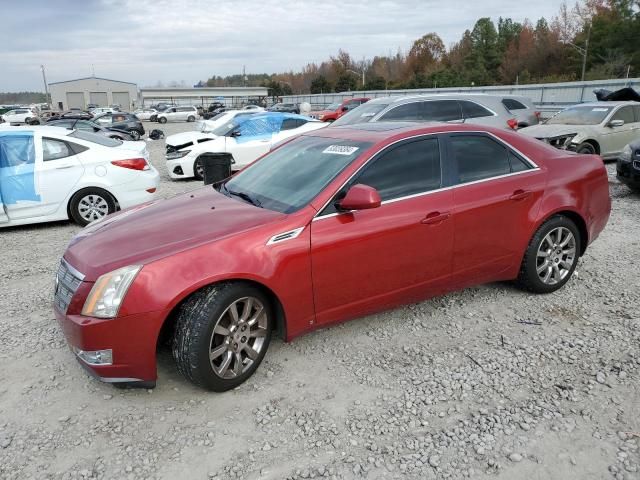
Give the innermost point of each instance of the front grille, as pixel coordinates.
(67, 282)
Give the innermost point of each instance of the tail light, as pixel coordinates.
(513, 123)
(132, 163)
(537, 114)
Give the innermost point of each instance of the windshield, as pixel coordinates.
(224, 129)
(333, 106)
(92, 137)
(582, 115)
(362, 114)
(289, 177)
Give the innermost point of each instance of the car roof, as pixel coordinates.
(379, 131)
(445, 96)
(42, 129)
(283, 115)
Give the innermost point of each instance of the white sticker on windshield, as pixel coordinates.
(368, 114)
(340, 149)
(600, 109)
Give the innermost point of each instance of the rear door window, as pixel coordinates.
(474, 110)
(479, 157)
(407, 112)
(53, 149)
(441, 111)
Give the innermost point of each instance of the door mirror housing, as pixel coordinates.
(235, 133)
(360, 197)
(616, 123)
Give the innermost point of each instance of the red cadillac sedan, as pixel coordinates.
(332, 225)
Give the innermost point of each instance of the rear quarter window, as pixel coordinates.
(511, 104)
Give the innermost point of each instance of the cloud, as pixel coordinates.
(145, 41)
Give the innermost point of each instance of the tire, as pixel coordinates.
(191, 118)
(162, 120)
(586, 148)
(81, 203)
(207, 343)
(548, 263)
(198, 173)
(135, 135)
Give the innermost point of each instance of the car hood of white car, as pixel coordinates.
(554, 130)
(186, 138)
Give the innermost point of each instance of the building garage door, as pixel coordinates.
(75, 100)
(122, 99)
(99, 98)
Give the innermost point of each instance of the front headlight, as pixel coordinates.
(562, 141)
(178, 154)
(625, 156)
(109, 291)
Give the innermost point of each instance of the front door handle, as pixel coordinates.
(62, 167)
(435, 217)
(520, 195)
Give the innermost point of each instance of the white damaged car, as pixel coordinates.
(52, 173)
(245, 138)
(602, 128)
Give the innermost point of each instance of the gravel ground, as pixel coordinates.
(485, 383)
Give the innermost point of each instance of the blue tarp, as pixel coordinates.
(17, 165)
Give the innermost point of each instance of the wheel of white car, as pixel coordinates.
(162, 120)
(198, 169)
(222, 334)
(191, 118)
(90, 204)
(586, 148)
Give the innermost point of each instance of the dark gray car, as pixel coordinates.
(89, 126)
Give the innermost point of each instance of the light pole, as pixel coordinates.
(583, 51)
(46, 87)
(357, 73)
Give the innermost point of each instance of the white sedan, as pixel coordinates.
(145, 113)
(245, 138)
(205, 129)
(602, 128)
(51, 173)
(19, 115)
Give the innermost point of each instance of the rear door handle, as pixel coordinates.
(520, 195)
(435, 217)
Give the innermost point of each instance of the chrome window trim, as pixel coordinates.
(391, 106)
(532, 164)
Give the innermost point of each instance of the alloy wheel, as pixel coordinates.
(199, 169)
(92, 207)
(238, 337)
(556, 256)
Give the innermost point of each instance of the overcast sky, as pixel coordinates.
(146, 41)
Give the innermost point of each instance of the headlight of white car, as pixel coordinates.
(562, 141)
(625, 156)
(109, 291)
(178, 154)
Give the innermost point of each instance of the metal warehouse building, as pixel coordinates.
(230, 96)
(100, 91)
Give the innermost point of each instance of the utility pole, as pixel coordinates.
(586, 52)
(46, 87)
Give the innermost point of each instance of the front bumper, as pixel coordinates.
(131, 340)
(181, 167)
(629, 173)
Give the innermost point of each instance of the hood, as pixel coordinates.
(140, 147)
(155, 230)
(548, 131)
(322, 112)
(185, 139)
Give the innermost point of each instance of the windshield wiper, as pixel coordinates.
(246, 197)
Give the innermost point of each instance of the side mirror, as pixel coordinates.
(616, 123)
(344, 109)
(360, 197)
(235, 133)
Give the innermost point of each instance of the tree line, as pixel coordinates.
(503, 53)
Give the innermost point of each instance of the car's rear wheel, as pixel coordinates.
(91, 204)
(191, 118)
(198, 169)
(551, 257)
(162, 120)
(586, 148)
(135, 135)
(222, 334)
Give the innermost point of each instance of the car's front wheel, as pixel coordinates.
(135, 135)
(162, 120)
(222, 334)
(89, 205)
(198, 169)
(551, 257)
(586, 148)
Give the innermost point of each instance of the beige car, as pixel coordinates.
(603, 128)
